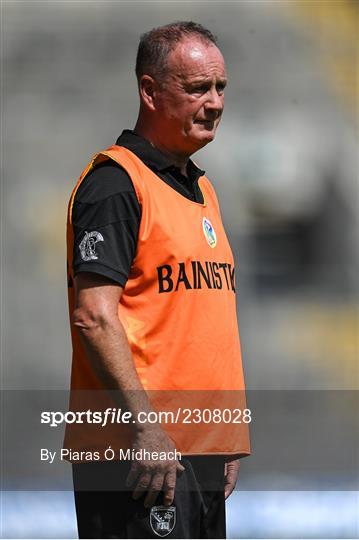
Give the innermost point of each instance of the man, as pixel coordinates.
(152, 304)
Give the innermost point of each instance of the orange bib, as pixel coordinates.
(178, 307)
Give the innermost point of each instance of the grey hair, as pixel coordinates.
(156, 45)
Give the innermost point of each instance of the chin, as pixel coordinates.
(207, 137)
(200, 139)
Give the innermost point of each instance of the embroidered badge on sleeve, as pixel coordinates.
(88, 245)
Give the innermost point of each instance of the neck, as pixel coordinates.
(147, 131)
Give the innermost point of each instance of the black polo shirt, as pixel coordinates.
(106, 204)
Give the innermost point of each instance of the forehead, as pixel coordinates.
(194, 58)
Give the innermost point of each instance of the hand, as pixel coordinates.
(231, 472)
(152, 476)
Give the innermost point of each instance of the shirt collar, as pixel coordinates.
(151, 156)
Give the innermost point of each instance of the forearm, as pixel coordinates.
(108, 350)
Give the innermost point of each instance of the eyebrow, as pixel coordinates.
(204, 82)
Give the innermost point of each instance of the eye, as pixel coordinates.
(220, 88)
(201, 89)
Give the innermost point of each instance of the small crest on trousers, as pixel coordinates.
(88, 245)
(163, 519)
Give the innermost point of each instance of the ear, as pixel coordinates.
(148, 89)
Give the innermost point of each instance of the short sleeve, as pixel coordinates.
(106, 218)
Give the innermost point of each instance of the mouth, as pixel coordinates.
(208, 124)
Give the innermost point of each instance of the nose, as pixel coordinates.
(214, 101)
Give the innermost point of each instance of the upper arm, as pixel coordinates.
(96, 298)
(106, 217)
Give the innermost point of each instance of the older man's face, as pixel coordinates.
(191, 101)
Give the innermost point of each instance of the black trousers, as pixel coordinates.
(105, 510)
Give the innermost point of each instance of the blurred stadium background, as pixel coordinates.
(285, 165)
